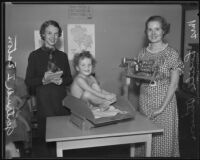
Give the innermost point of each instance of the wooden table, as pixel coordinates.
(68, 136)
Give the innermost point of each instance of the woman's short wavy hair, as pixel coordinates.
(82, 55)
(164, 24)
(48, 23)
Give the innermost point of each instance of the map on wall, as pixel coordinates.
(80, 37)
(38, 41)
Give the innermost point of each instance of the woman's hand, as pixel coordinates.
(170, 93)
(137, 83)
(156, 112)
(57, 81)
(47, 79)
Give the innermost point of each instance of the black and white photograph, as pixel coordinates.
(100, 80)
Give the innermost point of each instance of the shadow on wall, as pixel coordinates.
(58, 44)
(145, 41)
(133, 90)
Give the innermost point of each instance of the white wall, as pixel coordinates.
(119, 32)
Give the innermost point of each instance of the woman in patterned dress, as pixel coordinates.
(157, 100)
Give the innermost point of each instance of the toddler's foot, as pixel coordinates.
(104, 107)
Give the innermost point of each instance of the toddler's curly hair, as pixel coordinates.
(82, 55)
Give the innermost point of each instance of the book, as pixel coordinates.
(51, 75)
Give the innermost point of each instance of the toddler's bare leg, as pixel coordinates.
(87, 96)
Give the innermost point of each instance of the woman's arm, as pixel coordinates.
(31, 79)
(171, 90)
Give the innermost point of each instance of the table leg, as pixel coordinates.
(148, 145)
(148, 139)
(132, 150)
(59, 149)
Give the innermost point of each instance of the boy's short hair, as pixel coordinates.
(82, 55)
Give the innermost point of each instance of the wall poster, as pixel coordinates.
(80, 37)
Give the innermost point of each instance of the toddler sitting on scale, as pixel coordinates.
(85, 85)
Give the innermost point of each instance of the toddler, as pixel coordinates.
(85, 85)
